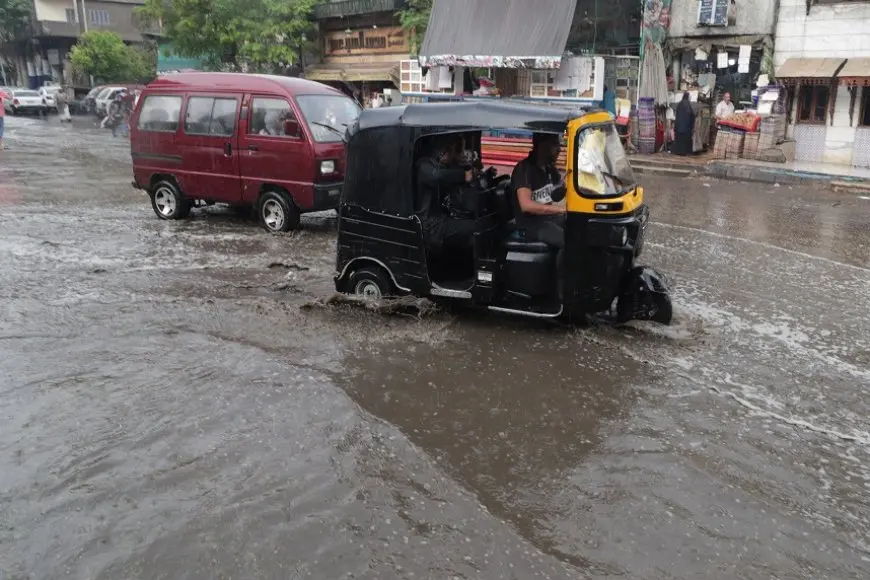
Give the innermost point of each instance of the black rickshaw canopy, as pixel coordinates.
(382, 143)
(474, 115)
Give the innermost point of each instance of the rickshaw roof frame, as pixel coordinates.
(478, 115)
(382, 142)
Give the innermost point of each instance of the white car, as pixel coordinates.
(25, 101)
(104, 98)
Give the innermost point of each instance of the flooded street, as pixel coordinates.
(169, 411)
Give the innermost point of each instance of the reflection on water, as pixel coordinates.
(511, 419)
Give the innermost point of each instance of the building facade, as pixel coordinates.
(361, 45)
(823, 55)
(705, 39)
(57, 26)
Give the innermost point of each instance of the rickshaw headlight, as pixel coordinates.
(327, 167)
(620, 236)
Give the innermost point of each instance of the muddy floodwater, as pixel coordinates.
(168, 410)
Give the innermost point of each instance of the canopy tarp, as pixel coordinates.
(497, 33)
(856, 72)
(810, 68)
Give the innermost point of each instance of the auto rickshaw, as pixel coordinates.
(381, 247)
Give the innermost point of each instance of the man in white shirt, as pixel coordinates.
(725, 108)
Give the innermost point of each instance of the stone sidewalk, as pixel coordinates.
(796, 172)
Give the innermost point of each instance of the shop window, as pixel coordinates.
(813, 103)
(542, 83)
(70, 15)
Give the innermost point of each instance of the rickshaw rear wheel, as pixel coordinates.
(370, 283)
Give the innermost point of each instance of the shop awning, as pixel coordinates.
(856, 71)
(386, 72)
(810, 68)
(499, 34)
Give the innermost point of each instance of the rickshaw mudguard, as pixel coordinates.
(645, 295)
(597, 259)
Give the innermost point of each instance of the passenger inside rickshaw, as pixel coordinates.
(444, 178)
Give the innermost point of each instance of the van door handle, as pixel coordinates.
(253, 148)
(228, 149)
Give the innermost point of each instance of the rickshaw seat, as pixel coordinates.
(514, 245)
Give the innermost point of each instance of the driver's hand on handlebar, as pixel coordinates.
(469, 175)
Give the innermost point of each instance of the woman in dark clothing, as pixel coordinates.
(684, 126)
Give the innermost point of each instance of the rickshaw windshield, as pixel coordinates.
(601, 165)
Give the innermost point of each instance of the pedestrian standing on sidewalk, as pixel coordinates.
(684, 126)
(3, 96)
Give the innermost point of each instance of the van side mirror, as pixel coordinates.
(291, 127)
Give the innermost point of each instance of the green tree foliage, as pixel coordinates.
(256, 35)
(104, 56)
(415, 19)
(15, 18)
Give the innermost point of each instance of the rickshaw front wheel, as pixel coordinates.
(656, 307)
(371, 283)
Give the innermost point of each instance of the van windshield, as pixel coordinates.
(328, 117)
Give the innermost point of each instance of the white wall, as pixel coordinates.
(832, 30)
(829, 31)
(53, 10)
(753, 17)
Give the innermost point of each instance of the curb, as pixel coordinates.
(753, 173)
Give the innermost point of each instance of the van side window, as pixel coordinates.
(210, 116)
(268, 116)
(160, 113)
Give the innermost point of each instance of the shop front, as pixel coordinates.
(817, 110)
(709, 67)
(491, 48)
(361, 46)
(854, 78)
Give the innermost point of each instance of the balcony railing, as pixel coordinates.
(57, 28)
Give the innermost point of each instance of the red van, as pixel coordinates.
(274, 143)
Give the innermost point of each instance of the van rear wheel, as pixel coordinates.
(277, 212)
(168, 202)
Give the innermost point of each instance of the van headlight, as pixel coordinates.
(327, 167)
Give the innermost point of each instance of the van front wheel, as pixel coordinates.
(278, 213)
(168, 202)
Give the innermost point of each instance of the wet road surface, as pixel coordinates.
(169, 411)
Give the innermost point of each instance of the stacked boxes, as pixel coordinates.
(720, 144)
(750, 145)
(734, 148)
(772, 131)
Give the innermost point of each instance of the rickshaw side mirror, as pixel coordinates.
(291, 127)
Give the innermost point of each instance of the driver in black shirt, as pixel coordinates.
(538, 184)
